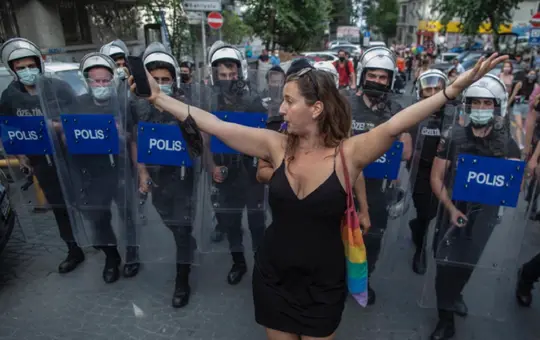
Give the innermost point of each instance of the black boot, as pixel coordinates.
(132, 265)
(460, 308)
(74, 258)
(371, 296)
(419, 262)
(111, 271)
(182, 290)
(523, 290)
(445, 327)
(239, 268)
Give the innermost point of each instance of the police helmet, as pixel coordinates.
(187, 61)
(224, 52)
(156, 56)
(96, 59)
(380, 58)
(324, 66)
(115, 49)
(19, 48)
(489, 86)
(430, 78)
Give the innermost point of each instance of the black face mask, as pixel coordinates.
(374, 90)
(264, 58)
(341, 58)
(231, 88)
(185, 77)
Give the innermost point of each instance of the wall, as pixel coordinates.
(526, 10)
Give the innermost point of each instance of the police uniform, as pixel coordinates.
(364, 119)
(240, 187)
(16, 101)
(465, 245)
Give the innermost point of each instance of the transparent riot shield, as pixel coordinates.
(94, 152)
(233, 186)
(272, 97)
(34, 189)
(407, 250)
(171, 185)
(385, 195)
(476, 239)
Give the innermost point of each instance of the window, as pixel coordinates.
(75, 24)
(114, 20)
(402, 13)
(8, 24)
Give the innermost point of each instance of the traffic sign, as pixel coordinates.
(534, 37)
(202, 6)
(215, 20)
(535, 20)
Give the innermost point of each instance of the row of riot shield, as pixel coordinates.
(91, 153)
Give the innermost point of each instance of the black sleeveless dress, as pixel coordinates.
(299, 279)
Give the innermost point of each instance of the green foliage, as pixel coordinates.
(114, 20)
(294, 25)
(472, 14)
(381, 17)
(234, 29)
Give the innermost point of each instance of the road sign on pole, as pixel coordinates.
(202, 6)
(534, 36)
(215, 20)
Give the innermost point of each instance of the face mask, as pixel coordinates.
(481, 117)
(28, 76)
(341, 58)
(531, 78)
(374, 89)
(185, 77)
(102, 92)
(507, 70)
(121, 73)
(276, 54)
(167, 89)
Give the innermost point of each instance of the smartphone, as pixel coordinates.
(138, 71)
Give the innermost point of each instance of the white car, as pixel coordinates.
(68, 72)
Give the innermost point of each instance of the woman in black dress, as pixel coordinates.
(299, 280)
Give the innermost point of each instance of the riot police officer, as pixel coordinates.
(102, 182)
(24, 61)
(371, 106)
(429, 131)
(235, 175)
(187, 84)
(486, 134)
(172, 186)
(118, 51)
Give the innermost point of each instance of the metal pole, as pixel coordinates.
(203, 32)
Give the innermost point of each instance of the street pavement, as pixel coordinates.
(37, 303)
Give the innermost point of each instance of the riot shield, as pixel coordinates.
(93, 149)
(385, 195)
(35, 190)
(233, 187)
(408, 246)
(171, 185)
(476, 240)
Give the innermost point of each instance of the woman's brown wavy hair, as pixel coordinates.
(335, 121)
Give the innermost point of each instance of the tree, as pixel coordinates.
(474, 14)
(294, 25)
(234, 29)
(114, 20)
(381, 17)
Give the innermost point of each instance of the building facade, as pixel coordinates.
(66, 30)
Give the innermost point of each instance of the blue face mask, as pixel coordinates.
(102, 92)
(167, 89)
(28, 76)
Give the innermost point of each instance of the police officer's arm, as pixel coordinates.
(441, 163)
(261, 143)
(367, 147)
(406, 139)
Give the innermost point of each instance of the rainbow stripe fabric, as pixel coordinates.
(355, 253)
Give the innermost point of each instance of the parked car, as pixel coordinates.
(376, 43)
(353, 50)
(334, 43)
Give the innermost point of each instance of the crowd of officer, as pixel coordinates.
(238, 181)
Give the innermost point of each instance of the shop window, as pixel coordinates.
(74, 18)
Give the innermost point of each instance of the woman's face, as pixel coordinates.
(531, 76)
(507, 68)
(300, 117)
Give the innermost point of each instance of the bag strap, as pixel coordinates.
(350, 200)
